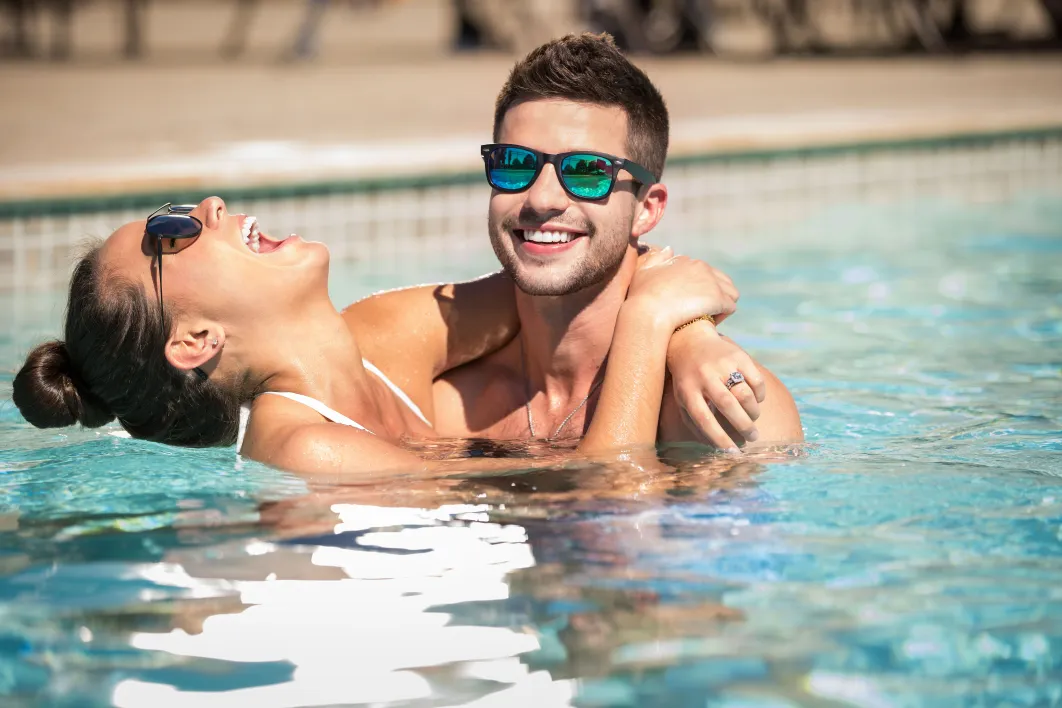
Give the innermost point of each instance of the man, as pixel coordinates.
(580, 140)
(572, 258)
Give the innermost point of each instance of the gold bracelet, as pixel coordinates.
(709, 318)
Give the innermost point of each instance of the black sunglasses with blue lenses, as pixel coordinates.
(583, 174)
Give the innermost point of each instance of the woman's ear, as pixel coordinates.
(191, 347)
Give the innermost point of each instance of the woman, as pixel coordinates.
(245, 318)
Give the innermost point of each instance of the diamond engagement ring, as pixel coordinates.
(734, 380)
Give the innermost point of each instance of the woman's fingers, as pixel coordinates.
(738, 405)
(742, 363)
(655, 258)
(730, 293)
(699, 417)
(726, 284)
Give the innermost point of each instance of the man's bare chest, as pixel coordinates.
(501, 413)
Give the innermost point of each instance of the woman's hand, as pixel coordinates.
(673, 290)
(727, 291)
(701, 361)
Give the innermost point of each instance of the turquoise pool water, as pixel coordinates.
(910, 556)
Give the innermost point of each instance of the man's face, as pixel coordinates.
(548, 242)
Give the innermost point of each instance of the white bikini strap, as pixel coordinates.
(399, 393)
(332, 415)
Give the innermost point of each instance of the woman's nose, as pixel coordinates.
(212, 211)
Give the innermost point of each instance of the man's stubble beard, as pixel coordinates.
(604, 258)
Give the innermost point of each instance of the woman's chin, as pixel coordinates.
(317, 263)
(308, 255)
(315, 250)
(305, 271)
(322, 256)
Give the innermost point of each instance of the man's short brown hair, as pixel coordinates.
(589, 68)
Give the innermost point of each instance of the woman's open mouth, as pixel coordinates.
(255, 240)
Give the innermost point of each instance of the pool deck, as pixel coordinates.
(102, 127)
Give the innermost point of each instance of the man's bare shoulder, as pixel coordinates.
(779, 420)
(475, 397)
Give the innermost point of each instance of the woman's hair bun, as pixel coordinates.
(49, 393)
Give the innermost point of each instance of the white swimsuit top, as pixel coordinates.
(328, 413)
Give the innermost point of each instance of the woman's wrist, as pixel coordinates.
(696, 320)
(650, 317)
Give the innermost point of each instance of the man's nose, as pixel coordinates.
(546, 194)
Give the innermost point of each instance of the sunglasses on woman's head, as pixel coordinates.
(586, 175)
(177, 224)
(166, 230)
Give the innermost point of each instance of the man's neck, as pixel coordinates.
(566, 339)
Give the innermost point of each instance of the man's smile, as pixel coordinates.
(547, 239)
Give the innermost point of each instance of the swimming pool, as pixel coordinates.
(910, 556)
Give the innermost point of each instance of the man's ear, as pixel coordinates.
(193, 344)
(650, 210)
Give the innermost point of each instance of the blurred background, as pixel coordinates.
(91, 87)
(404, 29)
(881, 178)
(312, 110)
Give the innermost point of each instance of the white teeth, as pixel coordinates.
(249, 231)
(246, 225)
(547, 236)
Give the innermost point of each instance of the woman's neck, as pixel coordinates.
(312, 353)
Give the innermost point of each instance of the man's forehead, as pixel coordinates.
(556, 125)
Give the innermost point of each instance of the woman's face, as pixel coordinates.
(220, 275)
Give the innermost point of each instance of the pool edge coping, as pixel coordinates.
(86, 204)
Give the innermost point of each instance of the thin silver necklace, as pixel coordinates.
(527, 394)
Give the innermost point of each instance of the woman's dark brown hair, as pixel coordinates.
(113, 365)
(589, 68)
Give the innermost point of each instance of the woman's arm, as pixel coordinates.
(666, 291)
